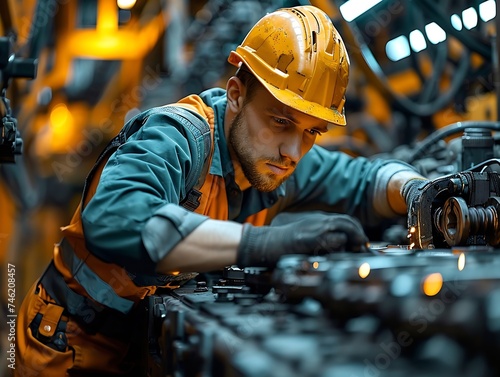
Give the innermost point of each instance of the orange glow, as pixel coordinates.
(315, 265)
(432, 284)
(60, 117)
(107, 16)
(364, 270)
(62, 129)
(114, 44)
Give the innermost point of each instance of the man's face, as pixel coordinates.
(269, 139)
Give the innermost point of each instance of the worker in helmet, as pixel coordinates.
(229, 176)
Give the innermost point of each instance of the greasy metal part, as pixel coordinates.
(454, 221)
(457, 221)
(458, 209)
(493, 237)
(421, 211)
(335, 315)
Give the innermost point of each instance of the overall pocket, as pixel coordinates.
(45, 351)
(50, 332)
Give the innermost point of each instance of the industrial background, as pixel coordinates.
(74, 70)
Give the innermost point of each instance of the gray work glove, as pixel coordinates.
(312, 233)
(413, 189)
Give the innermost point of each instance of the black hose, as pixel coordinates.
(375, 73)
(449, 130)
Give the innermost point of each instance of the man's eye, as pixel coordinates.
(314, 132)
(281, 121)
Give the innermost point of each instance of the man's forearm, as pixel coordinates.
(387, 199)
(211, 246)
(396, 182)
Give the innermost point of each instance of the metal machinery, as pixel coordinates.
(423, 89)
(428, 313)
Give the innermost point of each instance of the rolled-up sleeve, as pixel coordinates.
(141, 181)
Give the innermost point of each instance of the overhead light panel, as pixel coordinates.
(469, 17)
(435, 33)
(397, 48)
(125, 4)
(417, 41)
(352, 9)
(456, 22)
(487, 10)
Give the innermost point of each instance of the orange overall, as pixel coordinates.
(52, 341)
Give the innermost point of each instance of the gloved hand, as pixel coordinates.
(312, 233)
(412, 189)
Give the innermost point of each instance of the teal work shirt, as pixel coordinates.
(145, 178)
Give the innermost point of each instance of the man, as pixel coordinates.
(139, 226)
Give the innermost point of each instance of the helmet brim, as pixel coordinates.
(293, 100)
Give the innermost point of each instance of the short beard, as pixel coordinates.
(245, 158)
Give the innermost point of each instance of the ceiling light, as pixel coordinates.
(354, 8)
(397, 48)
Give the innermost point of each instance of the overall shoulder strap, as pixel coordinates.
(191, 122)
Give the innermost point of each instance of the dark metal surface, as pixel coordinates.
(393, 312)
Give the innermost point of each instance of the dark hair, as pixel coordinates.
(249, 80)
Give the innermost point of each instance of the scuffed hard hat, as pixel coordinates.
(299, 56)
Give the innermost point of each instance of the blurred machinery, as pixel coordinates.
(422, 66)
(423, 89)
(391, 313)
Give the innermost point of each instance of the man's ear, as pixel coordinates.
(235, 91)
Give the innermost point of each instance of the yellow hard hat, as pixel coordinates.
(299, 56)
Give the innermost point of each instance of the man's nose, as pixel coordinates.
(292, 147)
